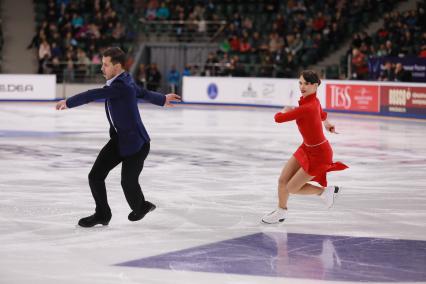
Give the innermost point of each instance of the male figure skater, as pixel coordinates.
(129, 143)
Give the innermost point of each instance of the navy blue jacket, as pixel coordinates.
(122, 110)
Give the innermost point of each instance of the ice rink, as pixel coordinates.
(212, 172)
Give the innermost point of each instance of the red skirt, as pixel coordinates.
(316, 161)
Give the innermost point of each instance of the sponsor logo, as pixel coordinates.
(268, 90)
(10, 88)
(212, 91)
(404, 99)
(340, 97)
(399, 97)
(352, 97)
(249, 92)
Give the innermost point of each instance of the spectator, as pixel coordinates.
(402, 75)
(245, 45)
(388, 73)
(69, 74)
(196, 71)
(211, 68)
(294, 44)
(359, 65)
(381, 51)
(235, 43)
(118, 32)
(151, 10)
(82, 64)
(319, 22)
(141, 76)
(186, 70)
(225, 46)
(390, 49)
(275, 42)
(77, 21)
(56, 68)
(225, 65)
(257, 43)
(153, 77)
(422, 53)
(37, 39)
(236, 69)
(44, 53)
(163, 12)
(56, 51)
(173, 79)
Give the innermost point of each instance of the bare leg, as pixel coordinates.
(298, 184)
(291, 167)
(309, 189)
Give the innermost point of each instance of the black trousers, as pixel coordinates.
(108, 158)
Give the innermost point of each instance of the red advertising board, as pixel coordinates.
(352, 97)
(403, 99)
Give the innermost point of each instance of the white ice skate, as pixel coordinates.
(276, 216)
(329, 195)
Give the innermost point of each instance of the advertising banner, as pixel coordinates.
(352, 97)
(415, 65)
(27, 87)
(403, 99)
(244, 91)
(382, 98)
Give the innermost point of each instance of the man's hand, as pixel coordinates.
(61, 105)
(171, 98)
(330, 127)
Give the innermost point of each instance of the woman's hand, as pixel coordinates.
(330, 127)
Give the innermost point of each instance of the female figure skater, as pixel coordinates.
(314, 158)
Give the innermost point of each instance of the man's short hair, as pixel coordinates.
(117, 55)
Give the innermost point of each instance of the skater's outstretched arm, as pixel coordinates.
(157, 98)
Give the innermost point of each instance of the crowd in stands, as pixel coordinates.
(180, 20)
(271, 38)
(402, 35)
(71, 35)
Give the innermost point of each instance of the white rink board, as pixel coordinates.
(27, 87)
(251, 91)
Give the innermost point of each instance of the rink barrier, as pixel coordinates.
(355, 97)
(17, 87)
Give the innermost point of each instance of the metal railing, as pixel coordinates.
(67, 72)
(184, 31)
(91, 73)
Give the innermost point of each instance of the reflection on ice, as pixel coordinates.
(319, 257)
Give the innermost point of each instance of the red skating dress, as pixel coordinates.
(315, 155)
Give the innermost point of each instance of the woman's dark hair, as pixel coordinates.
(117, 55)
(311, 77)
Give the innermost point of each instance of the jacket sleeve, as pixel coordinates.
(150, 96)
(290, 115)
(93, 95)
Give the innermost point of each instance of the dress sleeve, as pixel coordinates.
(290, 115)
(323, 113)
